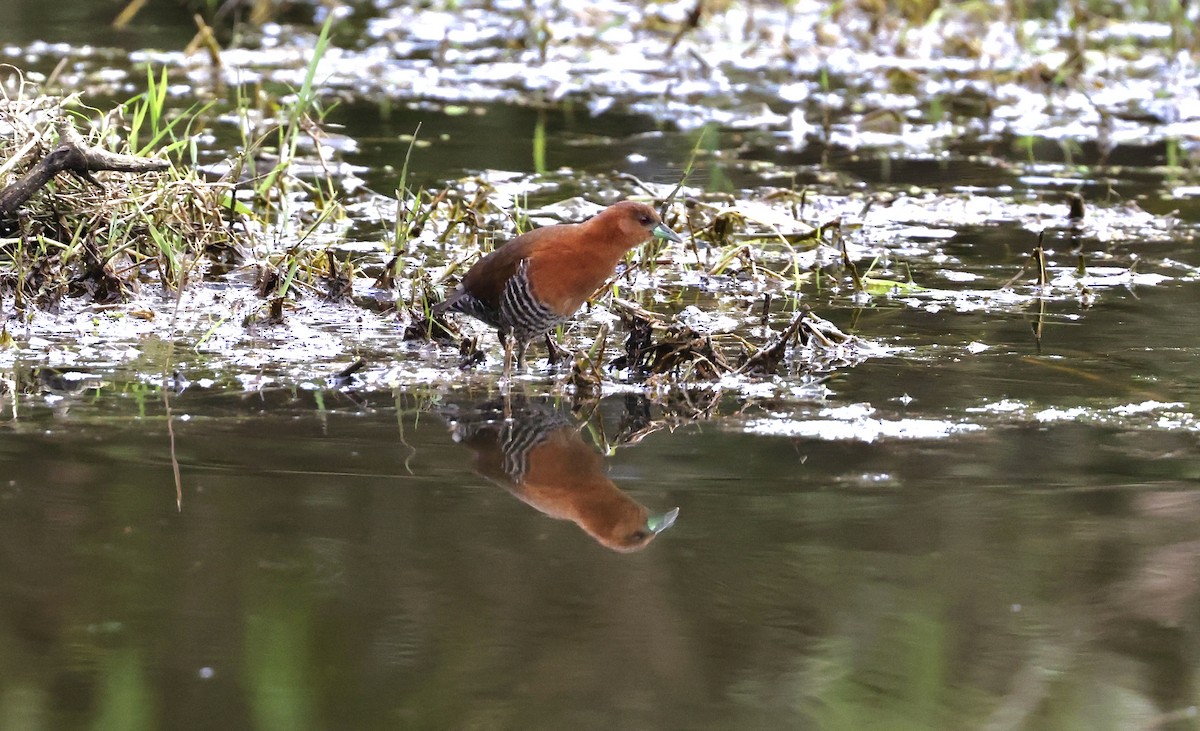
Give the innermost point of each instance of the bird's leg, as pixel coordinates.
(555, 352)
(506, 383)
(521, 346)
(506, 339)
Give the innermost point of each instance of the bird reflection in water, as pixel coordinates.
(540, 457)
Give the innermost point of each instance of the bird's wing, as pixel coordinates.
(487, 279)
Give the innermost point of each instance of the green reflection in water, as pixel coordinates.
(278, 661)
(126, 702)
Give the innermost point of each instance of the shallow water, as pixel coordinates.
(987, 520)
(349, 566)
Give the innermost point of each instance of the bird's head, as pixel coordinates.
(636, 222)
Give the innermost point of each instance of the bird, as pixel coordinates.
(539, 455)
(535, 282)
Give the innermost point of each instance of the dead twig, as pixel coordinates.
(74, 156)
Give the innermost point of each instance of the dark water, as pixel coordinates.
(83, 24)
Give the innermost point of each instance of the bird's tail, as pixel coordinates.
(450, 304)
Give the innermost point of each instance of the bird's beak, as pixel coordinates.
(658, 523)
(662, 232)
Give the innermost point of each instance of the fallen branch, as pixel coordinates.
(72, 155)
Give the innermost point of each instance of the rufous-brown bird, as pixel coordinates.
(535, 282)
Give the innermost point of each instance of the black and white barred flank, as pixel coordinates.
(521, 312)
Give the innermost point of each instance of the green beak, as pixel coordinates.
(662, 232)
(658, 523)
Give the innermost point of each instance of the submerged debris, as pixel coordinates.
(339, 283)
(469, 353)
(96, 277)
(345, 376)
(684, 353)
(268, 281)
(823, 340)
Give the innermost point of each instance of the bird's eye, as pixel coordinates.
(638, 536)
(644, 220)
